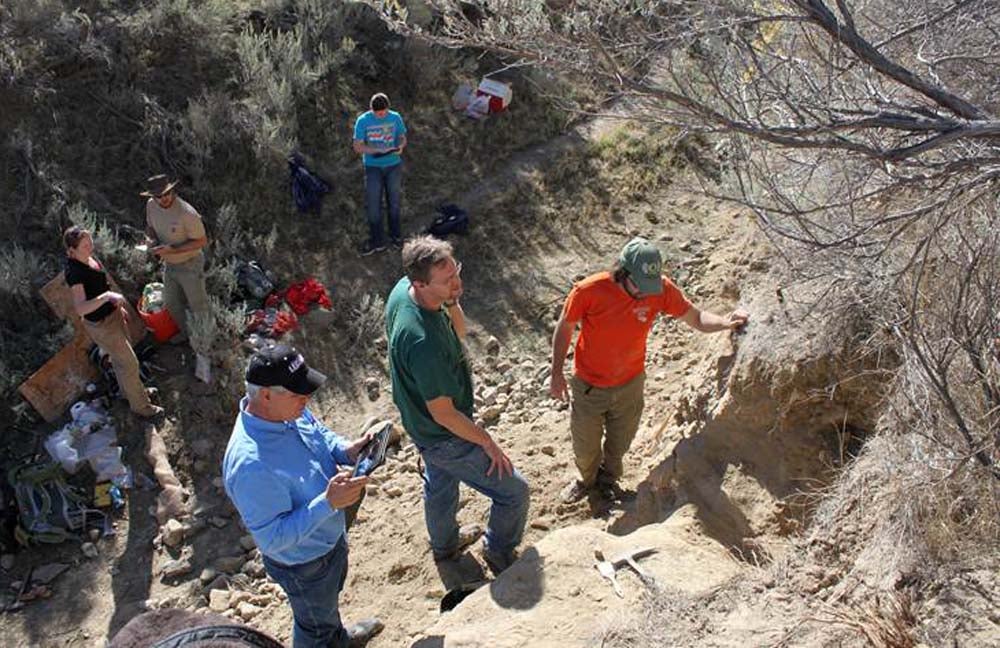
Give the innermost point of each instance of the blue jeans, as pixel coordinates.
(381, 181)
(456, 460)
(313, 590)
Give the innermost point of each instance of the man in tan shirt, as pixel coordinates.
(177, 237)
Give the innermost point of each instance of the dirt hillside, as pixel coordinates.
(391, 574)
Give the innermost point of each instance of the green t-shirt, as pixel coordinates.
(426, 361)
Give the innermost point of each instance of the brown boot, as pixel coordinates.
(155, 412)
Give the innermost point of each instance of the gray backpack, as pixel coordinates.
(50, 510)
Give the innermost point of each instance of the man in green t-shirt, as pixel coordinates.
(432, 387)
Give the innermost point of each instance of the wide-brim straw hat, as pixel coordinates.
(159, 185)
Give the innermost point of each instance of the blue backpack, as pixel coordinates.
(308, 189)
(451, 219)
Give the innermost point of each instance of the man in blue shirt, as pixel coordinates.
(380, 137)
(282, 470)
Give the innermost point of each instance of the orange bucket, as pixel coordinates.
(161, 325)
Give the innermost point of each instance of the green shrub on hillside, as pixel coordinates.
(277, 70)
(218, 93)
(21, 271)
(116, 251)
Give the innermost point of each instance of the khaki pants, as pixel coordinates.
(609, 412)
(184, 289)
(110, 334)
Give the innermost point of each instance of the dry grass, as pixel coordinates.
(885, 621)
(365, 324)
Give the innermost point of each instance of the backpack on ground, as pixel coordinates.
(254, 282)
(451, 219)
(50, 511)
(308, 188)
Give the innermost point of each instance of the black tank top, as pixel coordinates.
(95, 283)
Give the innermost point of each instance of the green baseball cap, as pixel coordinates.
(643, 262)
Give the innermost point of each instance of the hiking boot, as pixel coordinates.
(608, 488)
(467, 535)
(370, 248)
(612, 492)
(362, 632)
(498, 562)
(455, 596)
(574, 492)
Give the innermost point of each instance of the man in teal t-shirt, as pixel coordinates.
(380, 137)
(432, 387)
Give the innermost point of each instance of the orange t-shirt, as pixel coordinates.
(611, 347)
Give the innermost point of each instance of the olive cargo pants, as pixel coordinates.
(185, 283)
(611, 413)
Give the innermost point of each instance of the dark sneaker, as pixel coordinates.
(466, 536)
(397, 242)
(362, 632)
(453, 597)
(612, 492)
(574, 492)
(370, 248)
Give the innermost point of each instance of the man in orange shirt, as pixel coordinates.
(615, 311)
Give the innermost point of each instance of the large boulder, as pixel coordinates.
(554, 596)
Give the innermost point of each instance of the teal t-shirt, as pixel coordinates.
(426, 361)
(386, 133)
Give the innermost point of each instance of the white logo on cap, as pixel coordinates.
(296, 364)
(650, 268)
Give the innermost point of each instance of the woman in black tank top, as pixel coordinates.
(104, 316)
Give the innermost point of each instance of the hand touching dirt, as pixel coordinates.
(738, 319)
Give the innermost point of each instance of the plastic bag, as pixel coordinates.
(107, 464)
(152, 298)
(203, 368)
(462, 97)
(86, 415)
(59, 445)
(91, 445)
(479, 107)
